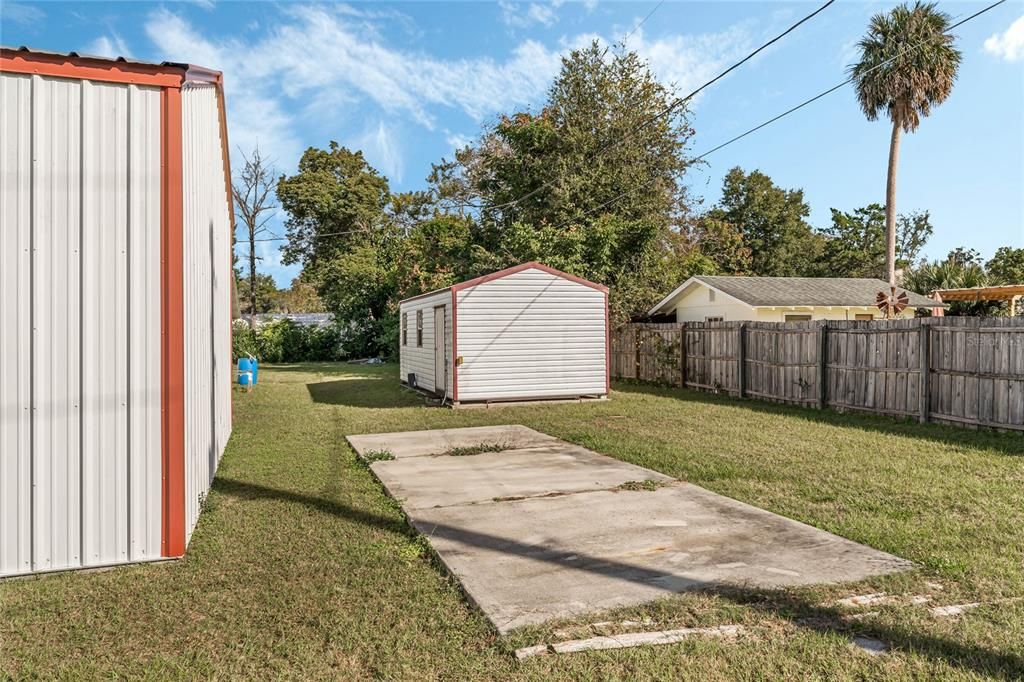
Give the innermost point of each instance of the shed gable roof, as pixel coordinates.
(797, 291)
(531, 265)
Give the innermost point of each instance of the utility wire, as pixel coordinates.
(642, 22)
(741, 135)
(782, 115)
(675, 104)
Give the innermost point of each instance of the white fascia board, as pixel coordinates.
(682, 287)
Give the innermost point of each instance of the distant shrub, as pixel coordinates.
(284, 341)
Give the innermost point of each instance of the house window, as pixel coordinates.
(714, 318)
(798, 318)
(419, 328)
(864, 316)
(405, 329)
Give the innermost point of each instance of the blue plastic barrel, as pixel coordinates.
(246, 371)
(255, 371)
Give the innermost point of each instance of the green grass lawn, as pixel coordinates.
(301, 567)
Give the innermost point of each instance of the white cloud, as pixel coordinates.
(687, 61)
(457, 140)
(382, 150)
(204, 4)
(1010, 44)
(849, 51)
(524, 15)
(22, 14)
(318, 65)
(108, 46)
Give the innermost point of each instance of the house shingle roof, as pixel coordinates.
(806, 291)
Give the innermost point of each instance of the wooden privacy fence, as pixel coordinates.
(959, 370)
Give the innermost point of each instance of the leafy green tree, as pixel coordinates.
(855, 244)
(340, 232)
(264, 293)
(1006, 266)
(908, 65)
(335, 201)
(772, 222)
(300, 297)
(601, 145)
(721, 242)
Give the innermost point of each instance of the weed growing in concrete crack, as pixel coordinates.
(647, 484)
(477, 449)
(371, 456)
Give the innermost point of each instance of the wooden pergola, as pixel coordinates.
(1006, 292)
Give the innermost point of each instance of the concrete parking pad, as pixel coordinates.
(527, 561)
(544, 530)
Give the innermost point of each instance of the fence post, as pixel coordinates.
(636, 353)
(741, 358)
(924, 385)
(823, 365)
(682, 353)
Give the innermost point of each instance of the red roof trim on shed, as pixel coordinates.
(527, 266)
(505, 273)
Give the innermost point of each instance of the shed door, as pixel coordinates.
(440, 378)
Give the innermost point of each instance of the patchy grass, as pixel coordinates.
(646, 484)
(478, 449)
(301, 567)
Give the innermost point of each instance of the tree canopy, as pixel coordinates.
(772, 222)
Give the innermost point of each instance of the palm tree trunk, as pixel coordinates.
(890, 205)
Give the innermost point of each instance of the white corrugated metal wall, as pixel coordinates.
(207, 232)
(80, 456)
(421, 359)
(531, 334)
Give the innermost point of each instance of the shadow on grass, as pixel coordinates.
(362, 391)
(330, 367)
(1007, 443)
(775, 603)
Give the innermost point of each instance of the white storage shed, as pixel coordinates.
(115, 307)
(526, 333)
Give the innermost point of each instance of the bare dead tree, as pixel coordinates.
(254, 207)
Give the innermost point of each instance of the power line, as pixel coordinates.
(782, 115)
(642, 22)
(741, 135)
(671, 107)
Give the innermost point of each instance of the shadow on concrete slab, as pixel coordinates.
(776, 603)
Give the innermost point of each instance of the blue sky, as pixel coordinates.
(408, 82)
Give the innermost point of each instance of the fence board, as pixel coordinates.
(966, 371)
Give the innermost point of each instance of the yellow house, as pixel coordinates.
(706, 298)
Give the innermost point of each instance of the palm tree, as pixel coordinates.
(908, 65)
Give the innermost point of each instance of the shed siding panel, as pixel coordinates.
(207, 234)
(76, 371)
(16, 323)
(531, 334)
(421, 359)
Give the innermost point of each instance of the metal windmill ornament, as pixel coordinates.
(892, 303)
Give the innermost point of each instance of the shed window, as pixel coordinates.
(419, 328)
(863, 316)
(711, 295)
(797, 318)
(714, 318)
(405, 328)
